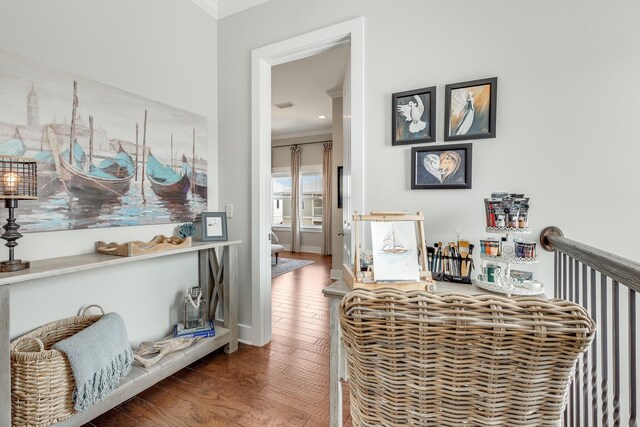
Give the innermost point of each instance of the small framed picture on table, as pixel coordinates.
(214, 226)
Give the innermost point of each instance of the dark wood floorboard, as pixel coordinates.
(284, 383)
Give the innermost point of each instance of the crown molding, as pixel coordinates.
(209, 6)
(336, 92)
(326, 132)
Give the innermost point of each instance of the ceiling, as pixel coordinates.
(222, 8)
(305, 83)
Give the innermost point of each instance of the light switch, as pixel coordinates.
(229, 210)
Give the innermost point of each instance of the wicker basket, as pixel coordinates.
(42, 383)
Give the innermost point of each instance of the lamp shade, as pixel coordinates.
(18, 178)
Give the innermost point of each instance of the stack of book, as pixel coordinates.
(179, 331)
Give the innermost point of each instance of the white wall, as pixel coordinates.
(163, 50)
(566, 108)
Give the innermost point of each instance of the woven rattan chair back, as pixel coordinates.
(424, 359)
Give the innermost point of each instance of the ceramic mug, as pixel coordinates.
(491, 271)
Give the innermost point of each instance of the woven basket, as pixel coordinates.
(42, 383)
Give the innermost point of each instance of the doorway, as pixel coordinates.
(349, 32)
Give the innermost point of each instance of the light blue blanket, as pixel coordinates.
(100, 357)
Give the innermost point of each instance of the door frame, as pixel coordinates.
(262, 59)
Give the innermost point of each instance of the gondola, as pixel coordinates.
(166, 182)
(110, 179)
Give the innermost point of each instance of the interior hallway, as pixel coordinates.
(285, 383)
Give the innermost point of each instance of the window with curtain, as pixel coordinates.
(311, 199)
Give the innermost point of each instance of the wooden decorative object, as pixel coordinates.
(549, 231)
(355, 278)
(158, 244)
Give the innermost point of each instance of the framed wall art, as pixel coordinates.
(340, 187)
(441, 167)
(414, 116)
(146, 162)
(470, 110)
(214, 226)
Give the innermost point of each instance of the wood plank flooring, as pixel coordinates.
(285, 383)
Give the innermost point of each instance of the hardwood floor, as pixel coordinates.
(285, 383)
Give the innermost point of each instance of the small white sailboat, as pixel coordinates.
(392, 243)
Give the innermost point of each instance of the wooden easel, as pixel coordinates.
(355, 278)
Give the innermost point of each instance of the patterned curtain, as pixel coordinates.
(296, 200)
(326, 198)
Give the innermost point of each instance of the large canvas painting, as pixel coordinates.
(106, 157)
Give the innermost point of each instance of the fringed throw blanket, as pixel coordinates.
(100, 356)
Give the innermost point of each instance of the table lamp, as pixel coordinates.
(18, 181)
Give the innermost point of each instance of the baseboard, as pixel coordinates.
(245, 332)
(336, 274)
(309, 249)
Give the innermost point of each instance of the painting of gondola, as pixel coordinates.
(110, 179)
(165, 181)
(105, 157)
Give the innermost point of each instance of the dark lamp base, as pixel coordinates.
(15, 265)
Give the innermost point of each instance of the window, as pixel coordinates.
(311, 188)
(281, 199)
(311, 199)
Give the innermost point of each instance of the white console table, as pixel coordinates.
(218, 277)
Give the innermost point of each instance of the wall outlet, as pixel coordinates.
(229, 210)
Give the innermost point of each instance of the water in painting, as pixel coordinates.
(106, 157)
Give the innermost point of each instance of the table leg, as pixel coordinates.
(335, 361)
(231, 296)
(5, 364)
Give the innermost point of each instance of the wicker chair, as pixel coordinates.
(418, 358)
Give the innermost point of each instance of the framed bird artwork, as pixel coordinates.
(414, 116)
(470, 110)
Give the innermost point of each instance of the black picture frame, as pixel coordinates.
(456, 173)
(339, 187)
(459, 123)
(405, 131)
(214, 226)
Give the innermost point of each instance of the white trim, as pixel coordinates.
(209, 6)
(336, 92)
(245, 334)
(230, 7)
(262, 59)
(308, 249)
(313, 230)
(336, 274)
(321, 132)
(303, 229)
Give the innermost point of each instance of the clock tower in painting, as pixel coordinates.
(33, 110)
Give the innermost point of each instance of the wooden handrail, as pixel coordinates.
(618, 268)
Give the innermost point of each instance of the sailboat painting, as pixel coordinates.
(395, 254)
(94, 144)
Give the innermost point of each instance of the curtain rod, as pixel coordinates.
(300, 143)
